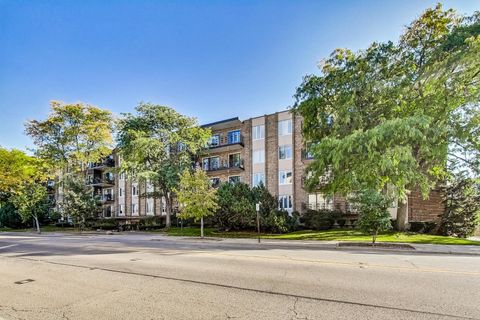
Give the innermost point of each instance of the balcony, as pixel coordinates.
(233, 166)
(106, 198)
(107, 163)
(100, 182)
(225, 143)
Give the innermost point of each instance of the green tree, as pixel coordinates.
(32, 203)
(72, 136)
(196, 196)
(374, 216)
(236, 209)
(462, 206)
(157, 145)
(394, 114)
(16, 168)
(78, 201)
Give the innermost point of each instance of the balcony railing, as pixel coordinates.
(106, 198)
(98, 180)
(225, 141)
(109, 162)
(224, 166)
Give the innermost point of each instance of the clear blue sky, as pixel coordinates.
(208, 59)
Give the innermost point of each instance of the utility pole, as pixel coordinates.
(257, 207)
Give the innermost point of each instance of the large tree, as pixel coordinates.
(393, 115)
(196, 196)
(72, 136)
(32, 202)
(156, 145)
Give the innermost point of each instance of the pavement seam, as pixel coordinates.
(252, 289)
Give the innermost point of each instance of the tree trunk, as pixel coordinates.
(168, 211)
(201, 227)
(374, 237)
(402, 214)
(37, 224)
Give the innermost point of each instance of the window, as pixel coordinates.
(258, 156)
(214, 140)
(122, 176)
(215, 182)
(135, 190)
(234, 179)
(320, 201)
(285, 127)
(285, 202)
(285, 177)
(234, 137)
(164, 205)
(258, 132)
(258, 178)
(211, 163)
(234, 160)
(149, 207)
(120, 192)
(121, 210)
(285, 152)
(134, 209)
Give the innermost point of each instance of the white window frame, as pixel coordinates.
(285, 147)
(134, 209)
(285, 124)
(322, 201)
(134, 189)
(258, 132)
(239, 178)
(258, 156)
(121, 209)
(256, 181)
(285, 173)
(285, 199)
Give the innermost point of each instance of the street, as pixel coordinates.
(152, 276)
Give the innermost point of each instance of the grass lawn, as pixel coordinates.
(327, 235)
(48, 228)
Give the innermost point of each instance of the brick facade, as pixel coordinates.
(420, 209)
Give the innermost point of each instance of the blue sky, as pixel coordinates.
(208, 59)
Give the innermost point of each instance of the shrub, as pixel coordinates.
(321, 219)
(462, 207)
(109, 224)
(374, 216)
(153, 222)
(423, 226)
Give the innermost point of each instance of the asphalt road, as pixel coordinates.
(147, 276)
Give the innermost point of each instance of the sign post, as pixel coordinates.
(257, 207)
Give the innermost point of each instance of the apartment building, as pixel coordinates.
(268, 149)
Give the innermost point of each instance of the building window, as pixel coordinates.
(234, 179)
(211, 163)
(258, 156)
(258, 132)
(285, 152)
(258, 178)
(121, 210)
(285, 177)
(164, 205)
(122, 176)
(285, 202)
(134, 190)
(215, 182)
(234, 160)
(134, 208)
(149, 207)
(120, 192)
(214, 140)
(320, 201)
(234, 137)
(285, 127)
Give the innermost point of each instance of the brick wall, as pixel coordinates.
(425, 210)
(271, 153)
(247, 152)
(300, 196)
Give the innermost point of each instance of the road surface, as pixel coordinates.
(149, 276)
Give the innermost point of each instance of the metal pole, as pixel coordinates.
(258, 221)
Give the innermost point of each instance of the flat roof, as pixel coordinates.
(219, 122)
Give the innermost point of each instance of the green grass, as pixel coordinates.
(48, 228)
(328, 235)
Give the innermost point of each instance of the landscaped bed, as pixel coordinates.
(328, 235)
